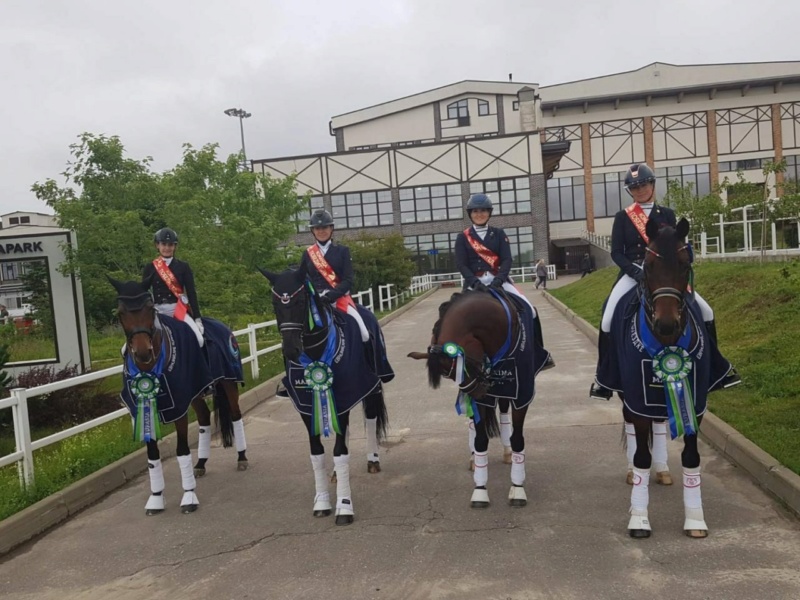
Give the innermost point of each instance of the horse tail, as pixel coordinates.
(375, 408)
(222, 415)
(434, 368)
(492, 425)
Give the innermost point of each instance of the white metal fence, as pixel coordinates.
(713, 246)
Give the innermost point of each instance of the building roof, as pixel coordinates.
(30, 230)
(658, 79)
(427, 97)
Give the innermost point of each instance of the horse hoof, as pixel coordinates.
(517, 497)
(479, 504)
(322, 513)
(373, 466)
(480, 498)
(507, 456)
(639, 534)
(188, 508)
(344, 519)
(333, 477)
(199, 472)
(153, 511)
(241, 465)
(629, 478)
(664, 478)
(697, 534)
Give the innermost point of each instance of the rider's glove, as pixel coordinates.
(497, 283)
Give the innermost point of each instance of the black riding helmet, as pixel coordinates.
(320, 218)
(479, 201)
(165, 236)
(638, 175)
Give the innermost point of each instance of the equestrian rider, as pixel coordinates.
(628, 251)
(172, 283)
(483, 256)
(330, 268)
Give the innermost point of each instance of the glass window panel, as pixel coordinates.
(353, 198)
(440, 214)
(354, 211)
(337, 200)
(599, 193)
(673, 172)
(523, 195)
(567, 211)
(454, 190)
(475, 187)
(612, 177)
(424, 216)
(371, 221)
(339, 212)
(598, 178)
(355, 222)
(385, 208)
(408, 218)
(437, 190)
(387, 219)
(370, 209)
(453, 201)
(406, 193)
(423, 204)
(490, 186)
(522, 183)
(703, 185)
(612, 198)
(507, 184)
(553, 206)
(507, 196)
(406, 205)
(368, 197)
(553, 182)
(580, 209)
(661, 188)
(455, 213)
(702, 168)
(422, 192)
(689, 169)
(385, 196)
(523, 207)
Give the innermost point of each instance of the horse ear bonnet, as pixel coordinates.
(132, 295)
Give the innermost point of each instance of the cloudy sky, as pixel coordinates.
(160, 72)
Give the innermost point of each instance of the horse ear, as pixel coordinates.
(117, 284)
(269, 275)
(651, 229)
(682, 230)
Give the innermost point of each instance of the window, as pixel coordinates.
(458, 109)
(608, 194)
(566, 199)
(10, 271)
(509, 196)
(431, 203)
(744, 165)
(483, 108)
(696, 175)
(303, 217)
(24, 220)
(362, 209)
(515, 105)
(13, 221)
(792, 172)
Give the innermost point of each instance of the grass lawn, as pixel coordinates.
(757, 311)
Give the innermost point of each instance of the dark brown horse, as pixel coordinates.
(468, 346)
(663, 366)
(159, 352)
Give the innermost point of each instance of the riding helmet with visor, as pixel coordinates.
(479, 201)
(320, 218)
(165, 236)
(639, 175)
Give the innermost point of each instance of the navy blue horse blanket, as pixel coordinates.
(188, 370)
(629, 367)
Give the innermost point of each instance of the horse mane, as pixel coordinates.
(443, 308)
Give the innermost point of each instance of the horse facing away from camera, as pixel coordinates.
(663, 366)
(165, 371)
(486, 345)
(329, 371)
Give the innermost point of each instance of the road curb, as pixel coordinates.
(50, 511)
(764, 468)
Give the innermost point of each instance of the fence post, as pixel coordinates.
(251, 339)
(703, 244)
(774, 232)
(22, 435)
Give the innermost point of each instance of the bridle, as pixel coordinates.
(287, 326)
(471, 365)
(649, 298)
(150, 332)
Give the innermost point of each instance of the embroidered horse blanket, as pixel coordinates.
(378, 358)
(224, 359)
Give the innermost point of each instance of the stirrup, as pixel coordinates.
(599, 392)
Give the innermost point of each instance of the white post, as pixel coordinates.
(703, 244)
(22, 434)
(251, 338)
(774, 236)
(721, 235)
(746, 228)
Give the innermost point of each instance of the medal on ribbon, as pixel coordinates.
(145, 388)
(319, 377)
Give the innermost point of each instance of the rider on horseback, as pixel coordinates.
(483, 256)
(330, 268)
(172, 283)
(628, 243)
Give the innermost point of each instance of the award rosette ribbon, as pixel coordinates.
(145, 388)
(319, 377)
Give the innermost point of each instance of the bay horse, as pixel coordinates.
(329, 370)
(479, 342)
(664, 365)
(165, 371)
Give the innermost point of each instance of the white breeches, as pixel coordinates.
(624, 285)
(169, 310)
(487, 278)
(357, 316)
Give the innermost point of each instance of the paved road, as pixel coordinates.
(415, 536)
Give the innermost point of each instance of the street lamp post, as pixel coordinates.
(242, 114)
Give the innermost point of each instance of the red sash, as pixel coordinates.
(490, 257)
(636, 214)
(168, 277)
(327, 272)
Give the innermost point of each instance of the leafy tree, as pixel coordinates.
(36, 284)
(378, 261)
(228, 222)
(701, 212)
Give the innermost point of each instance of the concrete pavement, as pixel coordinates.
(415, 535)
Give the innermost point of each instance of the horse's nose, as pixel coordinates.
(666, 327)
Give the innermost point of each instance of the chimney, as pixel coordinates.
(509, 76)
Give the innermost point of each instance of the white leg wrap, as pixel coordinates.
(705, 309)
(505, 429)
(640, 494)
(322, 499)
(204, 442)
(156, 471)
(238, 436)
(363, 328)
(342, 466)
(660, 446)
(187, 473)
(472, 434)
(630, 447)
(691, 489)
(190, 322)
(372, 438)
(481, 474)
(639, 520)
(518, 468)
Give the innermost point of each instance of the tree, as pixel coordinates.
(702, 213)
(228, 221)
(378, 261)
(36, 284)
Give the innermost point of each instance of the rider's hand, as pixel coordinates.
(325, 296)
(497, 283)
(199, 323)
(479, 286)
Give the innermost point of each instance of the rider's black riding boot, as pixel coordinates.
(732, 378)
(597, 391)
(538, 340)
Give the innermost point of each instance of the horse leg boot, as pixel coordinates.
(189, 502)
(695, 524)
(203, 450)
(322, 499)
(505, 436)
(241, 444)
(516, 495)
(480, 497)
(471, 442)
(373, 462)
(630, 450)
(155, 503)
(663, 475)
(639, 524)
(344, 502)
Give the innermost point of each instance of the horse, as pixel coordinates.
(165, 371)
(483, 343)
(663, 365)
(329, 370)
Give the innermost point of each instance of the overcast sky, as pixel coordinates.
(160, 72)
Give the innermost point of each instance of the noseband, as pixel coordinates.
(286, 299)
(650, 298)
